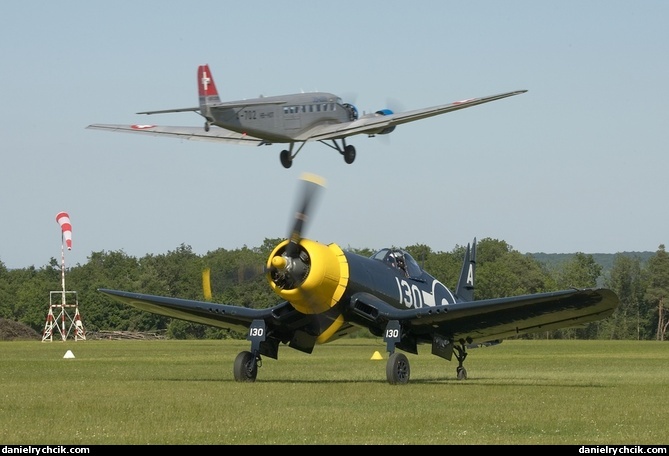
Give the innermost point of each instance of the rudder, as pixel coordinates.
(465, 289)
(207, 92)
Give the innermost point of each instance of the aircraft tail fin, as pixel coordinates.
(465, 289)
(206, 88)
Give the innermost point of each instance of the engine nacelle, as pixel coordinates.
(386, 130)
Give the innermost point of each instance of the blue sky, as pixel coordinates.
(577, 164)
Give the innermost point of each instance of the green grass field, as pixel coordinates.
(183, 392)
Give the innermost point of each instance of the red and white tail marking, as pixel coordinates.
(205, 82)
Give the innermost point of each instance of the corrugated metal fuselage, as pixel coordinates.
(282, 119)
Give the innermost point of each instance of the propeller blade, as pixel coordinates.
(206, 284)
(394, 105)
(311, 184)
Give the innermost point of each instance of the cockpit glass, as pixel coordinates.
(399, 258)
(380, 255)
(412, 266)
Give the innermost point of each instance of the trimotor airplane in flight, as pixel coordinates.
(327, 293)
(287, 119)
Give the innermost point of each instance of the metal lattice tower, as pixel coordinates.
(59, 319)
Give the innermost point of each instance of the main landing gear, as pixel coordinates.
(286, 159)
(398, 370)
(349, 154)
(348, 151)
(246, 366)
(247, 362)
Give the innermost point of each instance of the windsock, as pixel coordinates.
(63, 220)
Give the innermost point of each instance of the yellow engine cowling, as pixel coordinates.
(325, 283)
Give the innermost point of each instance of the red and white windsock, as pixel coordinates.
(63, 220)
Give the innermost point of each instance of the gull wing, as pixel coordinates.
(237, 318)
(499, 318)
(282, 322)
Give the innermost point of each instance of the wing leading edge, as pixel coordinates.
(372, 123)
(282, 321)
(219, 315)
(480, 321)
(500, 318)
(364, 125)
(190, 133)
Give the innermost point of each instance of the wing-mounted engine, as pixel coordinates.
(386, 130)
(383, 129)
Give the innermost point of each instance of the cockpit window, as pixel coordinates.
(380, 255)
(412, 266)
(400, 259)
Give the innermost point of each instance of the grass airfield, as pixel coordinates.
(183, 392)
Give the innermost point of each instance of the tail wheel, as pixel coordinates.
(246, 367)
(461, 373)
(397, 369)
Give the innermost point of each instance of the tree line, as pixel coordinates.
(236, 277)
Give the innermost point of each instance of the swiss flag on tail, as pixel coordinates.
(205, 82)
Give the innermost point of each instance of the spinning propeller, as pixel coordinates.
(290, 266)
(311, 185)
(206, 283)
(290, 263)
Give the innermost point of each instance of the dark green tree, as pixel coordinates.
(6, 294)
(502, 271)
(626, 279)
(115, 270)
(581, 271)
(657, 293)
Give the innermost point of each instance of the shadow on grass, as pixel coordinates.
(420, 381)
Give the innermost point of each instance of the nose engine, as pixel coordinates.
(286, 272)
(314, 280)
(352, 111)
(309, 275)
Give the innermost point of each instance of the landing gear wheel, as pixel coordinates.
(461, 373)
(206, 126)
(349, 154)
(246, 367)
(286, 161)
(397, 369)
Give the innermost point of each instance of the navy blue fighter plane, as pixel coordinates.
(327, 293)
